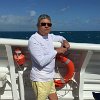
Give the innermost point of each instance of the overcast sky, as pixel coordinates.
(67, 15)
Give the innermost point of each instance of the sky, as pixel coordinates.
(66, 15)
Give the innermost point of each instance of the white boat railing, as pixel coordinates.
(81, 46)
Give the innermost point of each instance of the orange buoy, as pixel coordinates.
(19, 57)
(70, 71)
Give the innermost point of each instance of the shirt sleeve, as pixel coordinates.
(57, 38)
(37, 53)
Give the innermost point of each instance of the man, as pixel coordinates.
(43, 57)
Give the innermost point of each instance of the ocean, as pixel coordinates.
(71, 36)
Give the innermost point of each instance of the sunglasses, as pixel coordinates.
(44, 24)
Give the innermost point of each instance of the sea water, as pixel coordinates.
(71, 36)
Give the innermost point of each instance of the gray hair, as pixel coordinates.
(43, 16)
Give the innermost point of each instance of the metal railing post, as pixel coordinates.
(12, 72)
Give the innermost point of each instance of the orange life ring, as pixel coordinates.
(70, 71)
(19, 57)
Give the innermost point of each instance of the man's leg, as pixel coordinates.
(42, 89)
(53, 95)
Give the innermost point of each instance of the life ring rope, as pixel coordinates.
(67, 61)
(62, 79)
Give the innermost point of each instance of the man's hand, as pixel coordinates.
(64, 48)
(61, 50)
(65, 44)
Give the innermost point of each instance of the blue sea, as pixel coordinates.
(71, 36)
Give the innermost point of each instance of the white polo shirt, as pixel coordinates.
(43, 56)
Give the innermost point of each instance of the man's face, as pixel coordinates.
(44, 27)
